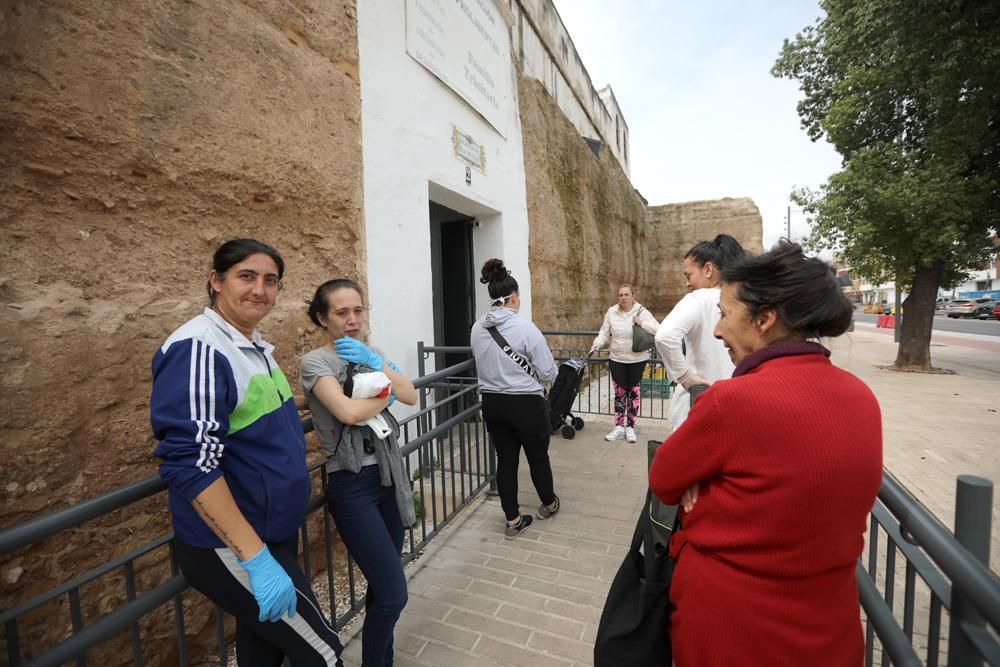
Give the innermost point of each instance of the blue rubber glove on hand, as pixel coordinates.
(272, 587)
(353, 351)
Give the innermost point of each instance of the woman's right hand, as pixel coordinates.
(689, 498)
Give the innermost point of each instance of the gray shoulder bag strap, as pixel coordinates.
(509, 351)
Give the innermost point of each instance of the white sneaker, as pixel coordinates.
(630, 434)
(617, 433)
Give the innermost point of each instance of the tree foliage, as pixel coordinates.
(908, 92)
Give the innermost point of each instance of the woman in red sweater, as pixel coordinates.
(776, 470)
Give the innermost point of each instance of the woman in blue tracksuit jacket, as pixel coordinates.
(233, 455)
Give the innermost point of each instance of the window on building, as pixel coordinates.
(618, 134)
(982, 285)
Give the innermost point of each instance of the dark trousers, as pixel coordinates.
(626, 379)
(367, 519)
(307, 640)
(516, 421)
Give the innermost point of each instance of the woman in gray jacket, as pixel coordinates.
(512, 361)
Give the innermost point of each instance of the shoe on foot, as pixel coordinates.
(546, 512)
(617, 433)
(630, 434)
(523, 522)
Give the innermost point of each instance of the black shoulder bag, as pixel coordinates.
(510, 352)
(635, 625)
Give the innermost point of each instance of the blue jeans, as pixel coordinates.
(367, 519)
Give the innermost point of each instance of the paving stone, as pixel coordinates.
(542, 621)
(495, 627)
(509, 654)
(463, 600)
(443, 633)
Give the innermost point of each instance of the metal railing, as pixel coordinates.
(935, 573)
(446, 454)
(597, 396)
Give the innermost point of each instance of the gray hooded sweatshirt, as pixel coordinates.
(498, 373)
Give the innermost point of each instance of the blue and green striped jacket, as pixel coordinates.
(221, 407)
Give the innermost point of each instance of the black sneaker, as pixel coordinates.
(523, 522)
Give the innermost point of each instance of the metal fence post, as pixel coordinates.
(973, 517)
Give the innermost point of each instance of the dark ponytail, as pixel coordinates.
(803, 291)
(498, 280)
(721, 251)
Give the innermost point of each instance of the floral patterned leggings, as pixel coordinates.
(626, 378)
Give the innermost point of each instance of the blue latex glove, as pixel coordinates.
(353, 351)
(272, 587)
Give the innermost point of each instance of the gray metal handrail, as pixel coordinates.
(957, 578)
(471, 449)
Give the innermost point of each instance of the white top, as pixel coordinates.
(617, 328)
(693, 321)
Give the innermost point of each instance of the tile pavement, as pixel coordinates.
(477, 599)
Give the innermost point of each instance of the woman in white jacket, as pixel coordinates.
(626, 366)
(691, 324)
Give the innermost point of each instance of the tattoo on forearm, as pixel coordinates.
(217, 529)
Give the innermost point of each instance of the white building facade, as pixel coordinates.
(444, 176)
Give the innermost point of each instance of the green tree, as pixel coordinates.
(908, 92)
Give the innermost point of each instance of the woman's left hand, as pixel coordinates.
(689, 498)
(353, 351)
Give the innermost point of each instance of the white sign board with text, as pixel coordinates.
(465, 44)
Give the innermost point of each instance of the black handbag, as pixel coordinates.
(635, 625)
(642, 340)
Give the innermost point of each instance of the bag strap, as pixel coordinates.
(509, 351)
(643, 537)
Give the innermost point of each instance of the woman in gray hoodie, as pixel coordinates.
(513, 361)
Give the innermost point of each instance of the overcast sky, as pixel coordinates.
(706, 118)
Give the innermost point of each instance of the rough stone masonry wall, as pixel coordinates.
(590, 230)
(587, 231)
(674, 228)
(135, 137)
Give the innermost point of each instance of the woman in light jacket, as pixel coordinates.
(514, 406)
(626, 366)
(690, 325)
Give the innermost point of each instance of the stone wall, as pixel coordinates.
(135, 137)
(587, 223)
(674, 228)
(590, 230)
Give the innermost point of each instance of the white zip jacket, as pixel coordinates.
(617, 328)
(693, 321)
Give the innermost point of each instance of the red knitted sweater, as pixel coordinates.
(789, 460)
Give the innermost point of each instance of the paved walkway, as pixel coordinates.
(477, 599)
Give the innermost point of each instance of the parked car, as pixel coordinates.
(965, 307)
(996, 311)
(987, 310)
